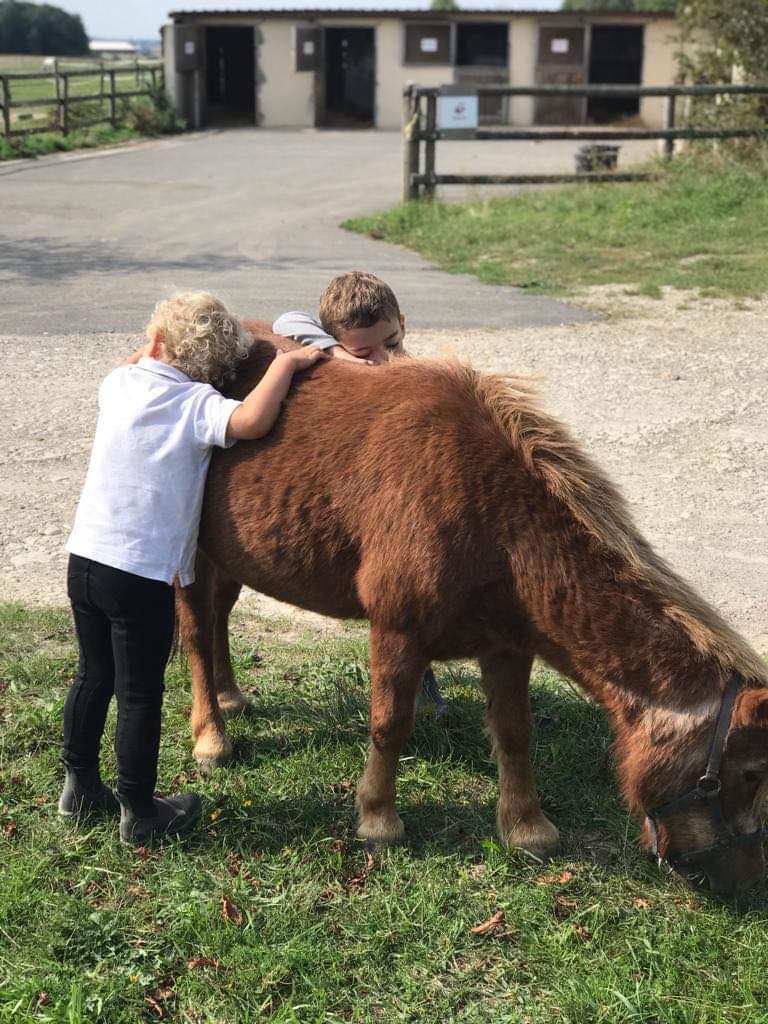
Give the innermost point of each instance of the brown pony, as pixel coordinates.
(462, 521)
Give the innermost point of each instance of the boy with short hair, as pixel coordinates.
(359, 320)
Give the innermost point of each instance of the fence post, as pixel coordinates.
(65, 104)
(57, 87)
(429, 146)
(411, 142)
(669, 122)
(6, 105)
(112, 98)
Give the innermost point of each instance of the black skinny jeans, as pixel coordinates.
(124, 626)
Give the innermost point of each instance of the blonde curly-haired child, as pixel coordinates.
(135, 533)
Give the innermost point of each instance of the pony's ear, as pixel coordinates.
(751, 709)
(747, 742)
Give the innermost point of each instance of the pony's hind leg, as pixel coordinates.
(396, 671)
(195, 616)
(519, 818)
(232, 701)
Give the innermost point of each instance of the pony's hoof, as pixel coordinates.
(539, 839)
(212, 755)
(233, 703)
(385, 829)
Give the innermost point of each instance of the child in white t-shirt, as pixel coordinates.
(135, 532)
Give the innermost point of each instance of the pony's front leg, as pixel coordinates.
(519, 818)
(396, 671)
(194, 610)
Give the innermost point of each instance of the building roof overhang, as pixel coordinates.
(410, 14)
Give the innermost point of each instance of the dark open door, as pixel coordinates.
(230, 75)
(482, 58)
(616, 58)
(561, 61)
(346, 93)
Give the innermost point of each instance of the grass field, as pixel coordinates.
(97, 84)
(703, 225)
(273, 911)
(17, 63)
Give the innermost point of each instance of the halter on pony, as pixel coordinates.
(707, 791)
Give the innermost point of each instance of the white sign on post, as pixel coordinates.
(561, 45)
(457, 112)
(308, 48)
(189, 47)
(428, 45)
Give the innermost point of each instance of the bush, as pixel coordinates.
(727, 42)
(152, 115)
(148, 115)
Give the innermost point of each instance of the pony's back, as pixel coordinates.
(367, 468)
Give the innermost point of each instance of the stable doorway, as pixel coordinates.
(347, 86)
(616, 58)
(230, 71)
(482, 58)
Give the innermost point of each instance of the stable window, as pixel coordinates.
(480, 43)
(307, 48)
(428, 44)
(561, 45)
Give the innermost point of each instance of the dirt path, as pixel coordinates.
(668, 394)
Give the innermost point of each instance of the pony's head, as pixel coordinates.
(706, 821)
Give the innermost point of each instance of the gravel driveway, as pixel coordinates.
(668, 394)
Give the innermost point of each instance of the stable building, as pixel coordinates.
(348, 68)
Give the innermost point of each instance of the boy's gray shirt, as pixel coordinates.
(304, 328)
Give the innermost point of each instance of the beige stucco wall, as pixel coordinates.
(523, 43)
(286, 96)
(662, 42)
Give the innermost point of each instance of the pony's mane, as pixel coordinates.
(550, 453)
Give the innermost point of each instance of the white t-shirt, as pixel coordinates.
(140, 506)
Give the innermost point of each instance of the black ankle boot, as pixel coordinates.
(85, 794)
(173, 816)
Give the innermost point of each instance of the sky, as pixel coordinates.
(141, 19)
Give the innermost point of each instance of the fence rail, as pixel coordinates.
(62, 105)
(420, 178)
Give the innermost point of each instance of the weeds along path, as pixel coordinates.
(669, 395)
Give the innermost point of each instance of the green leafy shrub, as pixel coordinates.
(152, 115)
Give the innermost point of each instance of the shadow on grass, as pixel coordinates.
(571, 741)
(464, 829)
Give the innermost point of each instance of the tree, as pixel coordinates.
(727, 36)
(444, 5)
(619, 5)
(725, 42)
(40, 28)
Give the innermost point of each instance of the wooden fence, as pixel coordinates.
(73, 96)
(420, 178)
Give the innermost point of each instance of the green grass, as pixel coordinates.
(703, 225)
(38, 117)
(91, 931)
(53, 142)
